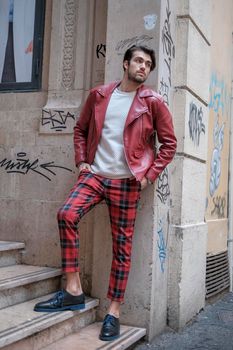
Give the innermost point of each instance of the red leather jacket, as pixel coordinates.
(148, 115)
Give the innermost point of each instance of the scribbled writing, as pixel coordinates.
(163, 189)
(161, 245)
(23, 165)
(196, 125)
(123, 45)
(168, 45)
(219, 97)
(100, 50)
(219, 203)
(169, 53)
(164, 90)
(56, 119)
(215, 170)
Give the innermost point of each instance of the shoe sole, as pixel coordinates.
(64, 308)
(114, 337)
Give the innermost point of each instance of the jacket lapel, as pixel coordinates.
(137, 108)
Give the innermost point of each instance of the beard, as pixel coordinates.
(136, 78)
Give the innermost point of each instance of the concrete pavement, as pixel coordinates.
(211, 329)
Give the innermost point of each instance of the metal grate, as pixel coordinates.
(217, 274)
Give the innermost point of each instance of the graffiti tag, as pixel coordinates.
(100, 50)
(215, 170)
(219, 206)
(23, 165)
(161, 246)
(196, 125)
(219, 99)
(169, 54)
(163, 189)
(56, 119)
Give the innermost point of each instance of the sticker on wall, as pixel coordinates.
(150, 21)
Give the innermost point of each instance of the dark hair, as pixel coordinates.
(129, 53)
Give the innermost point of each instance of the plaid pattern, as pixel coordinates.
(121, 196)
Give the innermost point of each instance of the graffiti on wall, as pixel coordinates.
(219, 107)
(162, 248)
(163, 188)
(219, 97)
(219, 203)
(23, 165)
(125, 44)
(196, 125)
(169, 54)
(56, 119)
(100, 50)
(215, 165)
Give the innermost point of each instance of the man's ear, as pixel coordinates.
(126, 64)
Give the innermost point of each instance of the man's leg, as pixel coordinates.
(122, 200)
(85, 194)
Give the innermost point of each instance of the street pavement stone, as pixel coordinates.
(211, 329)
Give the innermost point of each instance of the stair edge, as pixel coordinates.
(46, 320)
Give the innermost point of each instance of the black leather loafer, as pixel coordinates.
(110, 329)
(61, 301)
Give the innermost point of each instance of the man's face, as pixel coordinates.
(139, 67)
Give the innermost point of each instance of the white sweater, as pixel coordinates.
(110, 159)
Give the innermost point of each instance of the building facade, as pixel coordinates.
(182, 251)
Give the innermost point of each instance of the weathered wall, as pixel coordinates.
(218, 131)
(188, 230)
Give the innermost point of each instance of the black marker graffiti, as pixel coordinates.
(168, 45)
(56, 118)
(196, 125)
(163, 189)
(164, 91)
(23, 165)
(100, 50)
(123, 45)
(169, 54)
(219, 206)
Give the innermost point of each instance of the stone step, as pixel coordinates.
(19, 283)
(10, 252)
(87, 339)
(21, 328)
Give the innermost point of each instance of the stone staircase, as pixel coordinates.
(21, 287)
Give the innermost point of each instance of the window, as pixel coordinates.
(21, 44)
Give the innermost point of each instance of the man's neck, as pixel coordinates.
(128, 86)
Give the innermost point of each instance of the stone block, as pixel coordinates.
(191, 71)
(9, 218)
(200, 12)
(36, 100)
(218, 231)
(191, 124)
(7, 101)
(188, 189)
(56, 140)
(84, 44)
(187, 266)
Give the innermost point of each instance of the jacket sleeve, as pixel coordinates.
(166, 137)
(81, 130)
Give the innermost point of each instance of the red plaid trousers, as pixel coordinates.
(121, 197)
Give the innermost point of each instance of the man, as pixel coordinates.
(115, 153)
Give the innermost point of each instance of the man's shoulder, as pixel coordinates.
(147, 91)
(106, 88)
